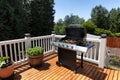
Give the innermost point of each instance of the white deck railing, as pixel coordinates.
(16, 49)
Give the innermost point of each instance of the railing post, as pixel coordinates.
(102, 52)
(27, 41)
(53, 38)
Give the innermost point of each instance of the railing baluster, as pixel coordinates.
(48, 43)
(15, 52)
(23, 51)
(11, 54)
(36, 43)
(19, 53)
(94, 52)
(6, 51)
(41, 42)
(45, 44)
(1, 52)
(44, 41)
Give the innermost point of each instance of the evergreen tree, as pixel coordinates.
(99, 16)
(42, 15)
(5, 20)
(114, 19)
(13, 19)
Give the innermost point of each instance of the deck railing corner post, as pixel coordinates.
(53, 39)
(102, 52)
(27, 41)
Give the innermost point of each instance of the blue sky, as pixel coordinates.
(82, 8)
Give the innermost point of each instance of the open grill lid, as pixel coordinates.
(75, 32)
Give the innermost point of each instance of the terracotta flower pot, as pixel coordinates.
(36, 60)
(7, 71)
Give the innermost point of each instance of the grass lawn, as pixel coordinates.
(114, 63)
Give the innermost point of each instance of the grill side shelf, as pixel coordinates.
(73, 47)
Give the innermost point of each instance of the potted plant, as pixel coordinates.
(6, 67)
(35, 56)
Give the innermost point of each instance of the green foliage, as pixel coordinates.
(60, 25)
(18, 17)
(116, 34)
(99, 15)
(60, 22)
(99, 31)
(13, 19)
(59, 29)
(5, 18)
(73, 19)
(42, 16)
(4, 61)
(35, 51)
(115, 61)
(90, 26)
(114, 19)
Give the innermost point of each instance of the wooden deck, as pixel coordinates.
(50, 71)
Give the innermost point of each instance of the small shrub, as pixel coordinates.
(35, 51)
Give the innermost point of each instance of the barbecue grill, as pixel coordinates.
(73, 42)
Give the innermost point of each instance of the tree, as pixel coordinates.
(68, 20)
(90, 26)
(114, 19)
(60, 22)
(42, 15)
(20, 17)
(13, 19)
(73, 19)
(99, 16)
(59, 29)
(5, 12)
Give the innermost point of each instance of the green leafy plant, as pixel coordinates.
(5, 61)
(35, 51)
(115, 61)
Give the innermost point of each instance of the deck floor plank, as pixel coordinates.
(111, 75)
(83, 72)
(107, 74)
(102, 77)
(115, 77)
(92, 72)
(50, 71)
(119, 75)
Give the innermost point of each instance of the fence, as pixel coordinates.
(16, 49)
(113, 45)
(113, 42)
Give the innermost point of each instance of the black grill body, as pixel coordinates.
(68, 57)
